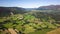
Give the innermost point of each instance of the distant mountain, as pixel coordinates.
(50, 7)
(30, 8)
(4, 11)
(11, 8)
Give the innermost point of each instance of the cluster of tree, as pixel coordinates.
(25, 24)
(44, 14)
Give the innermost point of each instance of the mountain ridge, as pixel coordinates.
(49, 7)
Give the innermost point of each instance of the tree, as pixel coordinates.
(28, 29)
(8, 25)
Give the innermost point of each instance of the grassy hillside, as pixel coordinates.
(29, 22)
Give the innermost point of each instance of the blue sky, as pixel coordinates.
(28, 3)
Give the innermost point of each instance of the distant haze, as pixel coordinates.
(28, 3)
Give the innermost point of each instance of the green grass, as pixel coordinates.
(43, 31)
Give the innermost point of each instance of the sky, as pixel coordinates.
(28, 3)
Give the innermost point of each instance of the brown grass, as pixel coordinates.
(56, 31)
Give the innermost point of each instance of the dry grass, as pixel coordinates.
(56, 31)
